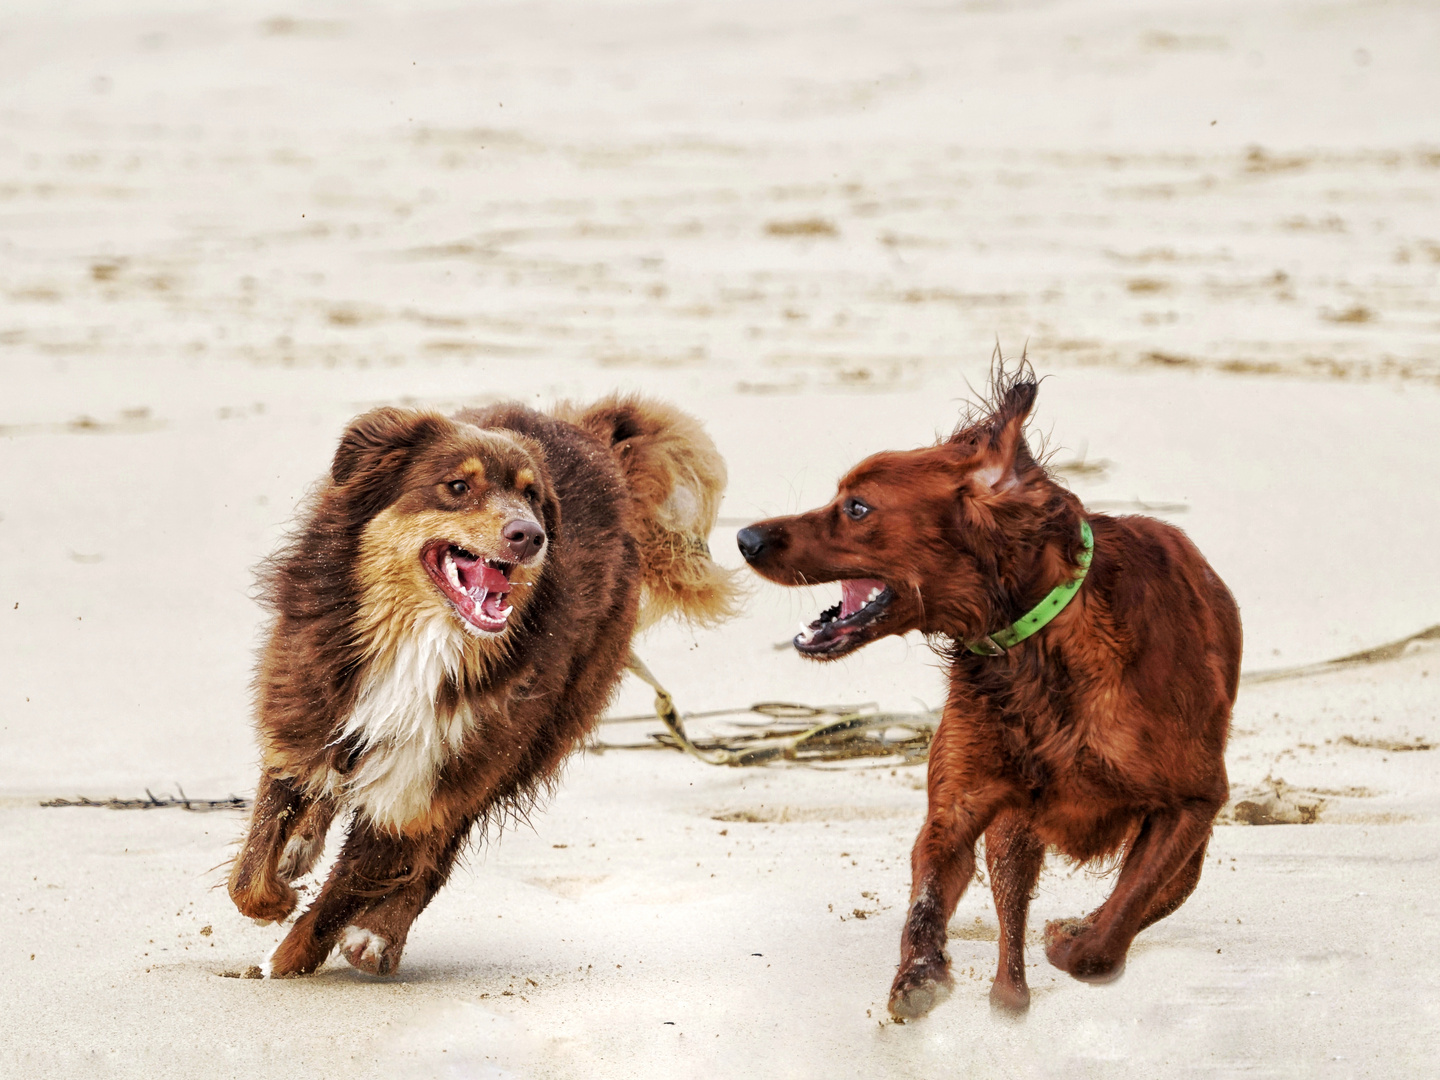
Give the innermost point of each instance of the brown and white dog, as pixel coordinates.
(1102, 733)
(451, 615)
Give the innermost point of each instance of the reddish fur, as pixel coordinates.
(1103, 733)
(535, 690)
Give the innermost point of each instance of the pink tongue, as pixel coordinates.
(853, 593)
(474, 572)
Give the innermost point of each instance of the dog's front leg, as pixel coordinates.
(374, 940)
(962, 804)
(306, 840)
(257, 887)
(372, 865)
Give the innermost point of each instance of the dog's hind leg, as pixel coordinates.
(1178, 889)
(1160, 870)
(257, 887)
(1014, 856)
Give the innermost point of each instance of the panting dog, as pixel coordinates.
(451, 614)
(1093, 663)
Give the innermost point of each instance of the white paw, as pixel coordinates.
(366, 950)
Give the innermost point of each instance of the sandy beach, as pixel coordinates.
(227, 229)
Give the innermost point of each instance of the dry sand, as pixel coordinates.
(225, 229)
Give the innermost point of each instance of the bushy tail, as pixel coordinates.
(676, 478)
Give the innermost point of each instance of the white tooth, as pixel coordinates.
(505, 613)
(873, 594)
(478, 594)
(452, 572)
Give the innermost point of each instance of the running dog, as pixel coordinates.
(450, 617)
(1093, 663)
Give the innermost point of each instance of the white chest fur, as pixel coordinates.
(404, 740)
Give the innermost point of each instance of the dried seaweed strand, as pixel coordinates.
(153, 802)
(850, 734)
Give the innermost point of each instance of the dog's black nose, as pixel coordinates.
(751, 541)
(524, 538)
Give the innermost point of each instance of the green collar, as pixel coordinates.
(1054, 603)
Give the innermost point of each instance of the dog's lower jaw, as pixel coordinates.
(835, 634)
(476, 632)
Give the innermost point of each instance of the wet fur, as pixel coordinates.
(374, 699)
(1103, 735)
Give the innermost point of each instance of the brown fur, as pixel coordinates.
(1103, 733)
(358, 619)
(677, 480)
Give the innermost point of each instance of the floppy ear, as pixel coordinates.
(375, 450)
(1002, 451)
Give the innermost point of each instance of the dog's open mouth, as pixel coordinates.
(476, 587)
(850, 623)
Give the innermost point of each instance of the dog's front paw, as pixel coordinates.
(919, 986)
(369, 952)
(1073, 946)
(265, 903)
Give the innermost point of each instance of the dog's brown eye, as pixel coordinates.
(533, 494)
(855, 509)
(458, 487)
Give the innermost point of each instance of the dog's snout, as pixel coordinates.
(524, 538)
(752, 542)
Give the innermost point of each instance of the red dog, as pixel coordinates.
(451, 616)
(1089, 715)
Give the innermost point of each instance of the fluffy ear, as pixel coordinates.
(1000, 451)
(375, 449)
(382, 439)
